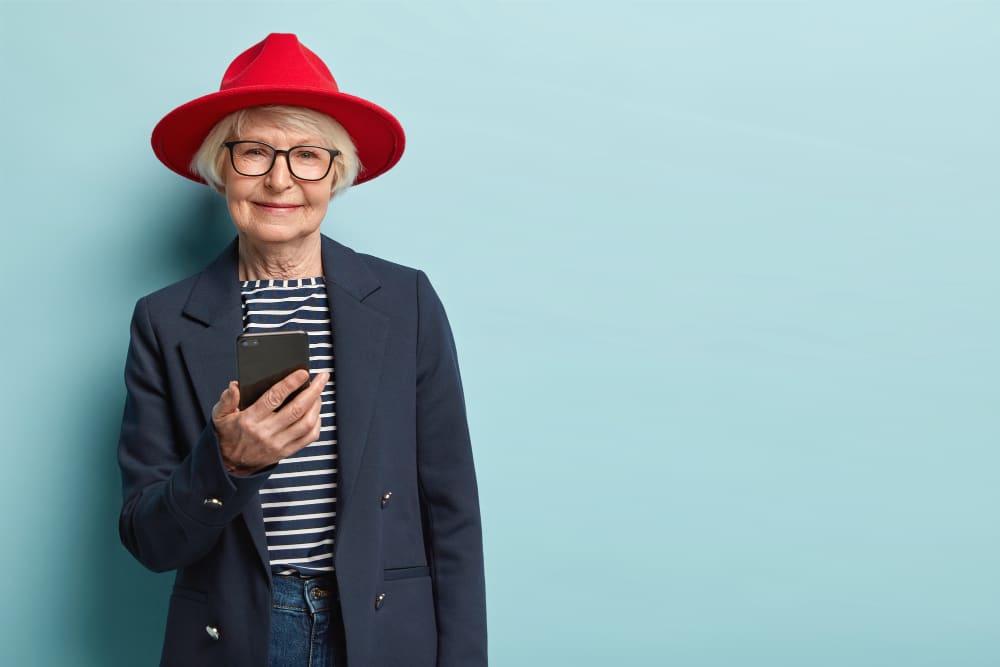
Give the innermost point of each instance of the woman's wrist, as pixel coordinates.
(237, 468)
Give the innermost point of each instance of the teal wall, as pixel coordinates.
(723, 278)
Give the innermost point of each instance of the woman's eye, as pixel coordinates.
(306, 155)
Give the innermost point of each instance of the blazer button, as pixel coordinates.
(213, 632)
(385, 498)
(214, 503)
(379, 599)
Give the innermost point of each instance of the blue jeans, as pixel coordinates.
(306, 626)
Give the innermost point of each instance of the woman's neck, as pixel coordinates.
(285, 261)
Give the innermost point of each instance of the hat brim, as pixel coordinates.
(377, 135)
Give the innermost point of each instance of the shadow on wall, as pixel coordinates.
(184, 240)
(122, 610)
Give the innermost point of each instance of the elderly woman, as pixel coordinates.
(339, 527)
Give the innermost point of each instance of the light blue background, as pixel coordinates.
(723, 279)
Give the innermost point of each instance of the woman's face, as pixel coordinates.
(276, 207)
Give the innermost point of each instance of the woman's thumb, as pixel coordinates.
(229, 401)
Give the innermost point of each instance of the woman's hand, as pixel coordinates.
(257, 437)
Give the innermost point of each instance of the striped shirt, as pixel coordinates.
(299, 499)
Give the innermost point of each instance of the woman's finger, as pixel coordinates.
(305, 435)
(276, 395)
(302, 404)
(299, 428)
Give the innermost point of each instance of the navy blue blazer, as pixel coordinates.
(402, 429)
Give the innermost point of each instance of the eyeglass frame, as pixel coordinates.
(274, 158)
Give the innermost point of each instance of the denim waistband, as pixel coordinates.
(313, 594)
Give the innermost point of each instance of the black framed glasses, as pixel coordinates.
(255, 158)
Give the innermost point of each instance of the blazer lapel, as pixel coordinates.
(359, 337)
(210, 354)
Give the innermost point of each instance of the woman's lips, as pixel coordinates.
(271, 207)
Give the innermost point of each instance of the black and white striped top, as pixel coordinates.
(300, 497)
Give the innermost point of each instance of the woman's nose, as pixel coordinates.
(280, 177)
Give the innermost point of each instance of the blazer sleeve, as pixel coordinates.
(448, 490)
(177, 495)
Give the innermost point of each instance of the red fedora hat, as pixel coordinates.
(280, 70)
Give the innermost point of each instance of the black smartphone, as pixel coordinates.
(266, 358)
